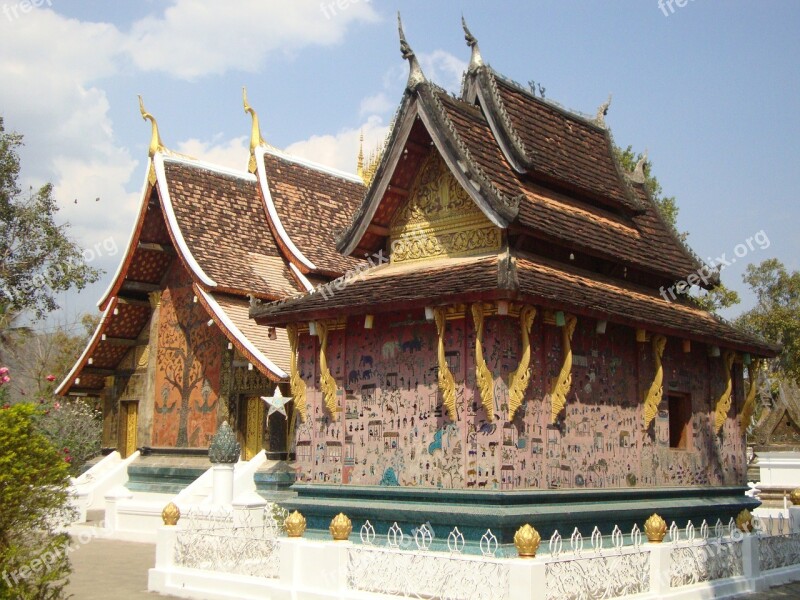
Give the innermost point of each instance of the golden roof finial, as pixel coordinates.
(255, 131)
(155, 138)
(360, 162)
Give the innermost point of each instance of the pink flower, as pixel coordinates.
(57, 406)
(51, 378)
(4, 379)
(3, 370)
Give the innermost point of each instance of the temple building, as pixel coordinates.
(517, 351)
(175, 353)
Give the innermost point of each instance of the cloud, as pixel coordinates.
(194, 38)
(50, 68)
(376, 105)
(233, 153)
(340, 150)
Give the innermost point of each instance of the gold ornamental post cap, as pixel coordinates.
(340, 528)
(171, 514)
(795, 497)
(744, 521)
(295, 525)
(655, 528)
(527, 541)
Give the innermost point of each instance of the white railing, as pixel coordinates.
(609, 569)
(225, 541)
(223, 555)
(705, 557)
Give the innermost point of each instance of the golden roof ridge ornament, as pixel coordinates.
(255, 132)
(155, 139)
(415, 74)
(476, 60)
(360, 159)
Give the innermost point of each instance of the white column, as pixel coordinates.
(222, 493)
(659, 568)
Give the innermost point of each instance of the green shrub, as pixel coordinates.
(34, 508)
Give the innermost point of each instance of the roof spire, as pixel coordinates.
(255, 132)
(600, 119)
(476, 60)
(415, 75)
(360, 162)
(155, 138)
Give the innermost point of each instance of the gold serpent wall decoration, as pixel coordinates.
(326, 380)
(750, 402)
(521, 377)
(296, 381)
(656, 392)
(563, 381)
(483, 376)
(447, 384)
(724, 402)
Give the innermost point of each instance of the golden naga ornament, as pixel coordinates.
(563, 381)
(795, 497)
(326, 380)
(725, 400)
(521, 377)
(527, 541)
(744, 521)
(295, 525)
(341, 527)
(447, 383)
(750, 401)
(171, 514)
(656, 392)
(483, 376)
(655, 528)
(296, 382)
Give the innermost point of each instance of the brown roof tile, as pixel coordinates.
(222, 219)
(643, 240)
(313, 206)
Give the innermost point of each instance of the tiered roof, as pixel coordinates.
(238, 234)
(580, 234)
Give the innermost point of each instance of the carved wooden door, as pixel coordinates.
(254, 427)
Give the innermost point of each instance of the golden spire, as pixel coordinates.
(255, 132)
(155, 138)
(360, 162)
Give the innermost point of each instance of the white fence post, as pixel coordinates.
(526, 578)
(659, 568)
(157, 577)
(751, 566)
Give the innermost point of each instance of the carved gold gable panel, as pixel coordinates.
(439, 219)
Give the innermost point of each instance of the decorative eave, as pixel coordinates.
(423, 103)
(133, 240)
(235, 336)
(69, 381)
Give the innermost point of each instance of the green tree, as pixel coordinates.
(35, 508)
(37, 257)
(776, 315)
(711, 300)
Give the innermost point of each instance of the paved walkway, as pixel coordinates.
(103, 569)
(790, 590)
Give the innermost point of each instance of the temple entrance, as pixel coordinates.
(254, 410)
(128, 425)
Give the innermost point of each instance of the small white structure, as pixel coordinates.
(88, 491)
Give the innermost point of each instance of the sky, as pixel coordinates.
(710, 89)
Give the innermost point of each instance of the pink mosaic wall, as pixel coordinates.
(391, 429)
